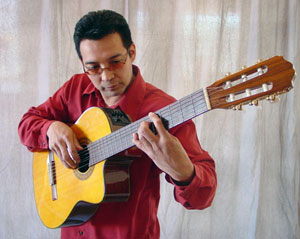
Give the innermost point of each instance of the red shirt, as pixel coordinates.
(136, 218)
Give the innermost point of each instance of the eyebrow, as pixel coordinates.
(110, 58)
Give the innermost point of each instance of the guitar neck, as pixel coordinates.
(175, 114)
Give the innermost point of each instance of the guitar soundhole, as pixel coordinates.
(84, 160)
(84, 170)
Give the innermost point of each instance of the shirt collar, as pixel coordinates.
(90, 88)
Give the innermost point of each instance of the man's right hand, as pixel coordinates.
(63, 142)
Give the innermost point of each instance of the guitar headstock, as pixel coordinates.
(264, 80)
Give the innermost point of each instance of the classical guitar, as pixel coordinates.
(66, 197)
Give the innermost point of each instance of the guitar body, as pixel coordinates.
(75, 194)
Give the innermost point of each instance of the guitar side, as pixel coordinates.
(75, 190)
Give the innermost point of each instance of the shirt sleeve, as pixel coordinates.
(35, 122)
(199, 193)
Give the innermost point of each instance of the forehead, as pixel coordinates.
(101, 49)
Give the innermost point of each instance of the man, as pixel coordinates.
(105, 48)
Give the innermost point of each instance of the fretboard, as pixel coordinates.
(175, 114)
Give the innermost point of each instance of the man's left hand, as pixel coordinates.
(164, 149)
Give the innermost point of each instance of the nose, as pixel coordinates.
(107, 75)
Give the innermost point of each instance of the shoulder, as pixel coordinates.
(77, 79)
(154, 99)
(78, 83)
(157, 95)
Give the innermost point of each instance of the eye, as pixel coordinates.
(115, 62)
(93, 67)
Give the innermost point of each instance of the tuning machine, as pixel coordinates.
(243, 67)
(237, 107)
(260, 60)
(254, 102)
(273, 98)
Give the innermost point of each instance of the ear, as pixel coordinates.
(132, 52)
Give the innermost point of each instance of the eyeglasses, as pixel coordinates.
(115, 64)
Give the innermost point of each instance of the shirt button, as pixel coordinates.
(80, 232)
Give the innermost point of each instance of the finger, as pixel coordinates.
(145, 133)
(58, 153)
(72, 151)
(142, 143)
(161, 130)
(66, 157)
(65, 163)
(56, 150)
(135, 140)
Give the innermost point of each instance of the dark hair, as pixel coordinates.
(98, 24)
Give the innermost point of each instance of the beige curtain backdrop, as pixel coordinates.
(182, 46)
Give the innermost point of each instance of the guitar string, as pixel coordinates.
(124, 139)
(57, 174)
(84, 154)
(121, 133)
(135, 126)
(212, 99)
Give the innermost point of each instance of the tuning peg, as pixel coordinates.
(227, 74)
(265, 87)
(273, 98)
(259, 60)
(254, 102)
(260, 71)
(244, 78)
(243, 67)
(228, 84)
(237, 107)
(231, 97)
(248, 92)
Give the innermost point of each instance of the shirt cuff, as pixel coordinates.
(179, 183)
(44, 139)
(186, 191)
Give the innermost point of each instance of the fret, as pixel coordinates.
(184, 109)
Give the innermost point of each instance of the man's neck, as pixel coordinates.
(112, 100)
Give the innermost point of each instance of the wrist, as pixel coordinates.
(185, 182)
(186, 177)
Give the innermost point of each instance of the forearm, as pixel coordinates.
(32, 130)
(35, 122)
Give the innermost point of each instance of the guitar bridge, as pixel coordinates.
(52, 175)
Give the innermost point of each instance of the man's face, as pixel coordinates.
(105, 53)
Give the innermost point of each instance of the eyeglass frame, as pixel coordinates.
(118, 64)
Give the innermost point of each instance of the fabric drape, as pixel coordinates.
(182, 46)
